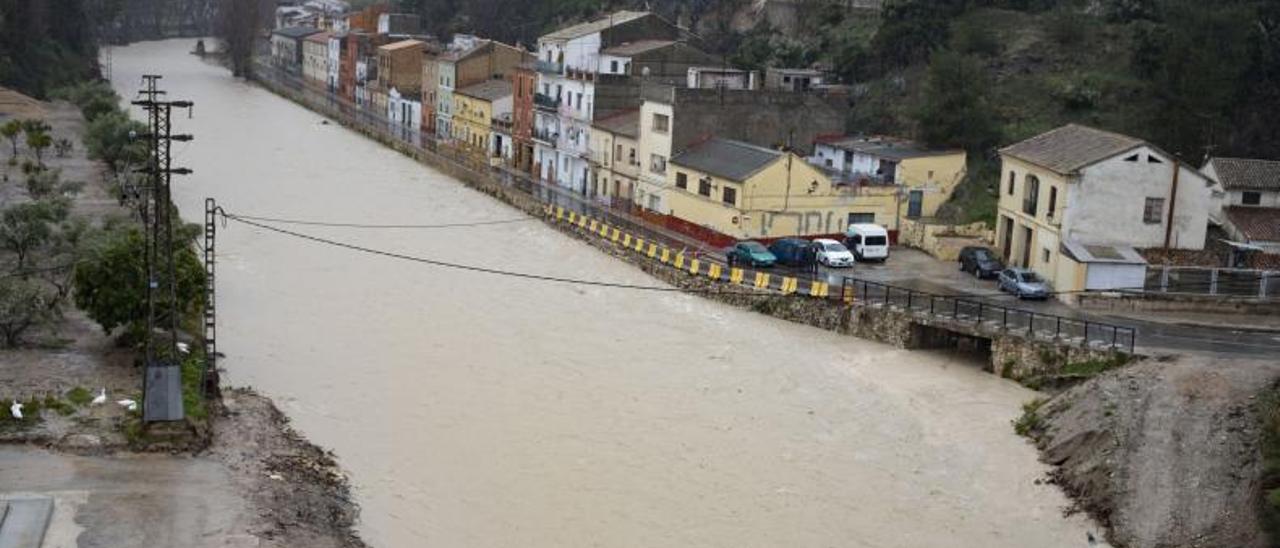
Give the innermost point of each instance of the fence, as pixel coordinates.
(983, 314)
(1222, 282)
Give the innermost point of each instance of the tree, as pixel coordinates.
(1195, 64)
(24, 305)
(38, 141)
(240, 23)
(911, 29)
(956, 110)
(108, 139)
(110, 283)
(26, 227)
(10, 130)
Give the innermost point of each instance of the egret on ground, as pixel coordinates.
(16, 410)
(128, 404)
(101, 398)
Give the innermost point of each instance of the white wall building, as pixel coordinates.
(568, 62)
(1095, 188)
(1249, 208)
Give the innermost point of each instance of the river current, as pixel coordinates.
(479, 411)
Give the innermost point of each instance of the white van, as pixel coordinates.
(868, 242)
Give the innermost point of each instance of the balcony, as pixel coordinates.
(547, 136)
(546, 102)
(547, 67)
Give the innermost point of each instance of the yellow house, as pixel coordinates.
(615, 155)
(918, 179)
(475, 108)
(746, 191)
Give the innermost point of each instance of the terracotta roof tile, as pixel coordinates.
(1247, 174)
(1071, 148)
(1259, 224)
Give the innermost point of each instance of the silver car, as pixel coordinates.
(1023, 283)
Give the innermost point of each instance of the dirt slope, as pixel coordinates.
(1164, 452)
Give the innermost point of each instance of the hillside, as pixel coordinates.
(1193, 77)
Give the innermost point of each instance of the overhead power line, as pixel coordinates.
(468, 268)
(303, 222)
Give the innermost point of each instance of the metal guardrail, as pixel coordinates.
(982, 314)
(1221, 282)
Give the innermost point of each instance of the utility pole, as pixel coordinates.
(162, 381)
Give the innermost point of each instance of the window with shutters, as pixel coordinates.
(1153, 211)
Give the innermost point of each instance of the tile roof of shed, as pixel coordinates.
(1247, 174)
(319, 37)
(592, 27)
(884, 147)
(625, 123)
(1259, 224)
(631, 49)
(728, 159)
(402, 45)
(1071, 147)
(295, 32)
(488, 90)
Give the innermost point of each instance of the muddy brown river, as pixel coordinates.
(480, 411)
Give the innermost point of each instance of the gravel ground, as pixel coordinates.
(259, 484)
(1164, 452)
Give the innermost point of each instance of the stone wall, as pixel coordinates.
(1025, 360)
(1175, 303)
(943, 241)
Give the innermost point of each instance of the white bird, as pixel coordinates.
(16, 410)
(128, 404)
(184, 348)
(101, 398)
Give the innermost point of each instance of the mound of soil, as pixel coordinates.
(298, 493)
(1164, 452)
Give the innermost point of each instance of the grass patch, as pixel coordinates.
(1269, 417)
(1030, 423)
(64, 408)
(1090, 368)
(79, 396)
(193, 403)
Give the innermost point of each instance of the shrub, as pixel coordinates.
(79, 396)
(1030, 424)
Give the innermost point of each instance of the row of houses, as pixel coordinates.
(627, 110)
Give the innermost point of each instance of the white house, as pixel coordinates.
(337, 42)
(1250, 205)
(569, 61)
(1085, 188)
(721, 78)
(404, 112)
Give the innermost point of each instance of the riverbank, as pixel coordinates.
(239, 476)
(1164, 452)
(258, 484)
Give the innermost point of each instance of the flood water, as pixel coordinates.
(479, 411)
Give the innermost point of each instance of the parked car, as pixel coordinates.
(833, 253)
(750, 253)
(793, 252)
(1023, 283)
(868, 242)
(982, 262)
